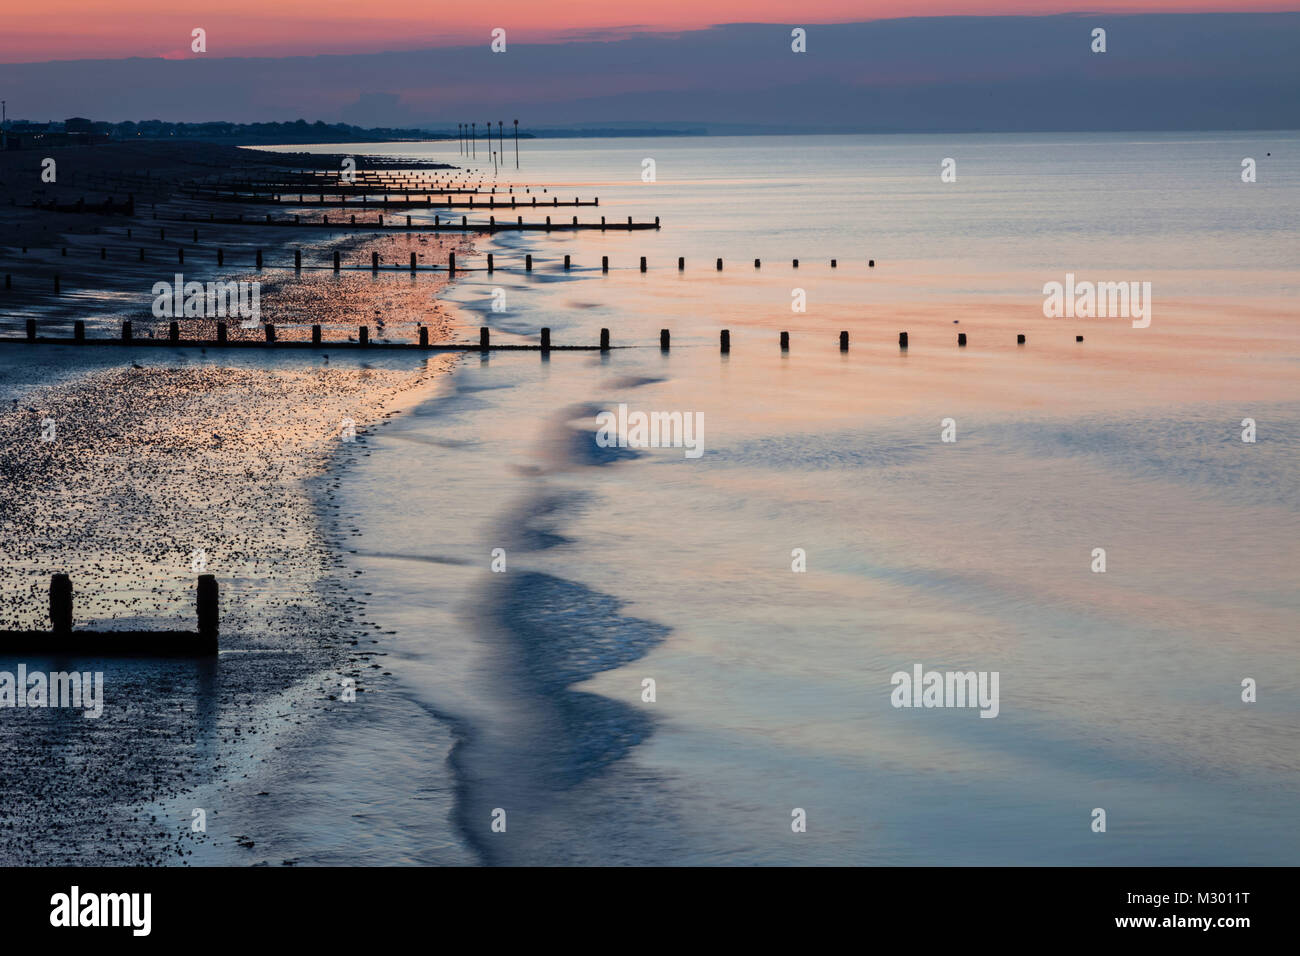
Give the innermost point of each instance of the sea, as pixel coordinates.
(607, 655)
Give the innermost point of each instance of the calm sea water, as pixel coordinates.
(523, 690)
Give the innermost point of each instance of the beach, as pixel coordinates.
(500, 587)
(162, 465)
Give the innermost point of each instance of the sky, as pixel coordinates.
(1160, 71)
(93, 29)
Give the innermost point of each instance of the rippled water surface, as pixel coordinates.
(523, 690)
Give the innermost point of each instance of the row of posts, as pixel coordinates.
(206, 601)
(363, 336)
(374, 263)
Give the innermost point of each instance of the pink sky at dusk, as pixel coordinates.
(93, 29)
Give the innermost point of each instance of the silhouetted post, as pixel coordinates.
(142, 255)
(604, 340)
(79, 330)
(844, 341)
(663, 339)
(412, 261)
(336, 260)
(31, 330)
(297, 260)
(834, 263)
(604, 263)
(424, 336)
(451, 263)
(363, 335)
(126, 331)
(259, 258)
(528, 263)
(719, 265)
(902, 340)
(1078, 338)
(681, 263)
(725, 341)
(758, 264)
(374, 262)
(315, 335)
(221, 333)
(546, 340)
(516, 144)
(206, 599)
(221, 257)
(270, 332)
(103, 253)
(180, 256)
(961, 338)
(871, 263)
(489, 262)
(484, 342)
(566, 261)
(174, 332)
(785, 341)
(795, 264)
(56, 283)
(1020, 339)
(643, 263)
(60, 604)
(9, 281)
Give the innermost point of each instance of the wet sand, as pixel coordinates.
(149, 465)
(107, 264)
(157, 455)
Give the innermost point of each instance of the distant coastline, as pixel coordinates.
(79, 131)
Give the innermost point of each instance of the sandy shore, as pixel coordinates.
(148, 466)
(107, 264)
(157, 456)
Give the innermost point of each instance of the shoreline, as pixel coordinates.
(107, 276)
(292, 615)
(159, 453)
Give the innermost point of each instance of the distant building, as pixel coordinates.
(22, 134)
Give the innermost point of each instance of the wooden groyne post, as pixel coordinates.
(62, 639)
(61, 604)
(206, 599)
